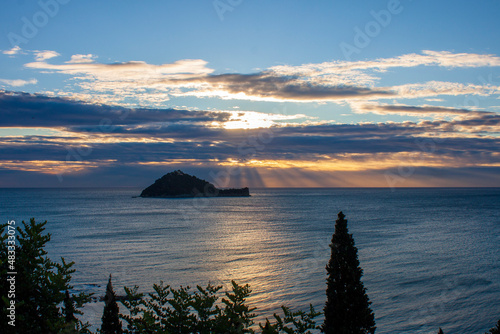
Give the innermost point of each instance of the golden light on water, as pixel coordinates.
(265, 274)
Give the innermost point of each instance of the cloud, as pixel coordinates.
(41, 56)
(32, 110)
(336, 81)
(12, 52)
(370, 161)
(80, 59)
(482, 123)
(368, 72)
(92, 139)
(268, 86)
(462, 120)
(252, 120)
(18, 82)
(427, 58)
(104, 139)
(448, 59)
(326, 152)
(52, 167)
(184, 140)
(126, 71)
(141, 175)
(423, 110)
(274, 162)
(438, 88)
(128, 81)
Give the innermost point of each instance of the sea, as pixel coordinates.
(430, 256)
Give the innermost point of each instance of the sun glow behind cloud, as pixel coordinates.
(254, 120)
(366, 161)
(53, 167)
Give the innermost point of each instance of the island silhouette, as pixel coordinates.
(180, 184)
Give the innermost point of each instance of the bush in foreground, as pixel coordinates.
(169, 310)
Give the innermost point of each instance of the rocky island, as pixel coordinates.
(179, 184)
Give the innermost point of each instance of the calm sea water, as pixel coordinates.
(431, 257)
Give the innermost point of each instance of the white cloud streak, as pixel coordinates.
(12, 52)
(18, 82)
(336, 81)
(45, 55)
(81, 59)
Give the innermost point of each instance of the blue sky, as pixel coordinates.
(346, 92)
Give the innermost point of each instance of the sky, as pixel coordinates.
(393, 93)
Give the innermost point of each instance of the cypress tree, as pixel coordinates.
(111, 323)
(69, 309)
(347, 309)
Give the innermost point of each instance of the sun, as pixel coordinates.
(248, 120)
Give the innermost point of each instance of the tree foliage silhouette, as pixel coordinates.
(298, 322)
(347, 309)
(111, 323)
(495, 330)
(40, 283)
(182, 311)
